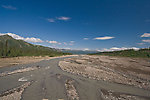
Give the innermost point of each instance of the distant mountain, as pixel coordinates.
(10, 47)
(78, 51)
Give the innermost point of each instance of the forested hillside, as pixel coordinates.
(10, 47)
(144, 53)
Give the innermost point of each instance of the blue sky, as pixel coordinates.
(78, 24)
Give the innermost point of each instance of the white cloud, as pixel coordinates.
(32, 39)
(63, 18)
(52, 42)
(148, 41)
(9, 7)
(118, 49)
(146, 35)
(51, 20)
(104, 38)
(85, 38)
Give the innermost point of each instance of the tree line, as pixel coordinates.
(144, 53)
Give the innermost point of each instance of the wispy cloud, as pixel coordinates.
(148, 41)
(86, 49)
(72, 41)
(63, 18)
(118, 49)
(146, 35)
(56, 44)
(53, 42)
(140, 43)
(28, 39)
(51, 20)
(65, 43)
(68, 48)
(147, 20)
(85, 38)
(104, 38)
(69, 43)
(9, 7)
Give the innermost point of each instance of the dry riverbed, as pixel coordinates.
(128, 71)
(45, 80)
(111, 95)
(19, 71)
(5, 62)
(71, 91)
(14, 94)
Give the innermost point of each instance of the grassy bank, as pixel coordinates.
(142, 53)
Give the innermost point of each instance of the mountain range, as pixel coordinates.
(78, 51)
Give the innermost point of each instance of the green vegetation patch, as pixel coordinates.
(143, 53)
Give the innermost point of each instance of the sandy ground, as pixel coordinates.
(5, 62)
(128, 71)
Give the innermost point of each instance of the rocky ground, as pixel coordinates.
(128, 71)
(111, 95)
(71, 90)
(14, 94)
(19, 71)
(45, 80)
